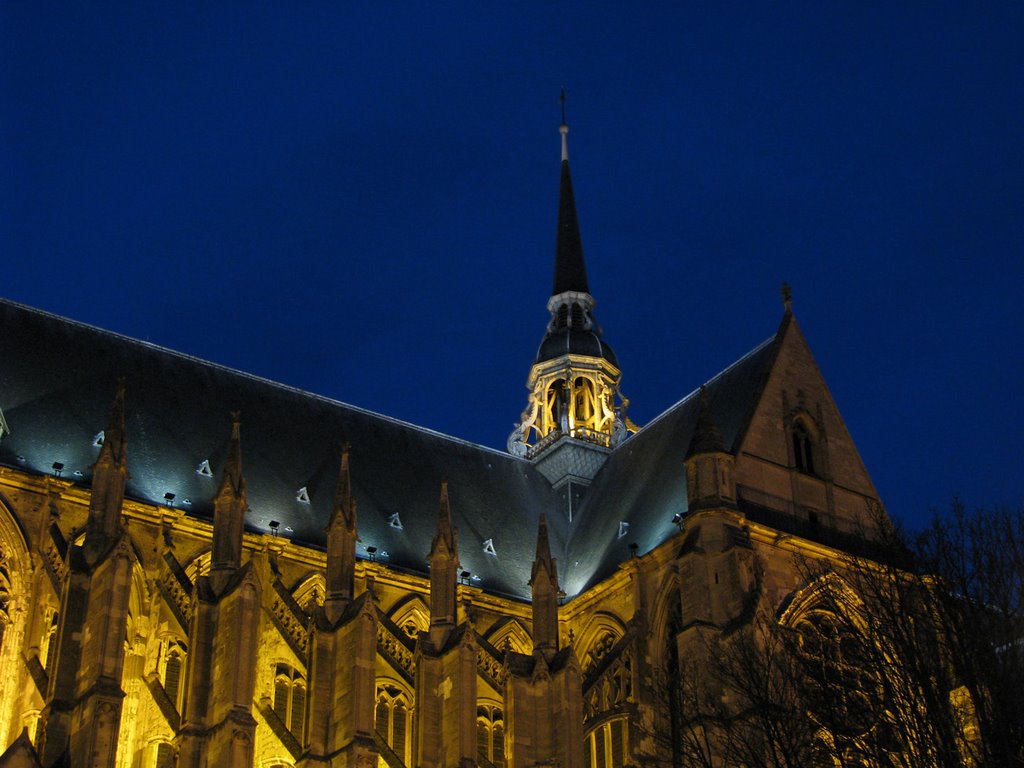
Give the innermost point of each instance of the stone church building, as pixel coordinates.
(199, 567)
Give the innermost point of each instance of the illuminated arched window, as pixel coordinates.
(804, 444)
(393, 720)
(606, 746)
(555, 404)
(5, 597)
(845, 695)
(584, 403)
(48, 648)
(172, 669)
(490, 735)
(290, 699)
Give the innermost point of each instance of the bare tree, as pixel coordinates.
(931, 632)
(908, 655)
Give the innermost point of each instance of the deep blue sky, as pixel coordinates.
(359, 200)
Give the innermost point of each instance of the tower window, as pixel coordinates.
(577, 317)
(803, 448)
(555, 404)
(562, 320)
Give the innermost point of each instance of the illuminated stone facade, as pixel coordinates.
(163, 604)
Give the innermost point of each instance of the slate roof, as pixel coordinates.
(644, 483)
(57, 383)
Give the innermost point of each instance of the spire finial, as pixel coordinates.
(564, 129)
(787, 298)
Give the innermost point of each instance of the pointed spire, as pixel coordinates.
(706, 436)
(109, 475)
(445, 533)
(233, 481)
(444, 571)
(545, 590)
(344, 505)
(114, 439)
(570, 270)
(543, 558)
(229, 508)
(341, 545)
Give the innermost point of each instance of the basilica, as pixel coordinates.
(200, 567)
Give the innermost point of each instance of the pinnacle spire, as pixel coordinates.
(233, 462)
(445, 530)
(109, 475)
(229, 508)
(543, 558)
(444, 569)
(344, 504)
(544, 588)
(114, 439)
(341, 545)
(570, 270)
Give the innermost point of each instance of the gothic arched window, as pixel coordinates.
(49, 644)
(164, 757)
(290, 699)
(5, 597)
(172, 669)
(804, 445)
(490, 735)
(393, 720)
(606, 745)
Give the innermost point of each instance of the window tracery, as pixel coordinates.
(173, 653)
(310, 593)
(411, 616)
(48, 648)
(846, 697)
(601, 647)
(5, 596)
(393, 720)
(510, 635)
(490, 735)
(606, 746)
(290, 698)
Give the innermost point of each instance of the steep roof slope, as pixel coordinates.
(57, 381)
(644, 482)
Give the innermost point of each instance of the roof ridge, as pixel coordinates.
(760, 347)
(255, 378)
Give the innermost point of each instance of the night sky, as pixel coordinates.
(359, 199)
